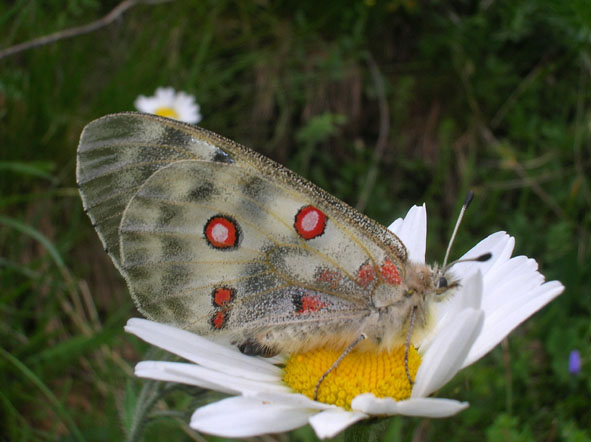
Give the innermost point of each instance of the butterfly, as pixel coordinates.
(218, 239)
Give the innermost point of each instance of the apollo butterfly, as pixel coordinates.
(218, 239)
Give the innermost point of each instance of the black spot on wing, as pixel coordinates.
(177, 308)
(254, 187)
(175, 278)
(172, 136)
(296, 300)
(254, 267)
(166, 215)
(261, 283)
(156, 309)
(222, 157)
(201, 192)
(137, 272)
(173, 248)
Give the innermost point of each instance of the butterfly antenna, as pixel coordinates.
(467, 202)
(482, 258)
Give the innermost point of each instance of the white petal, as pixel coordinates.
(510, 281)
(187, 109)
(183, 97)
(412, 231)
(194, 118)
(427, 407)
(202, 351)
(159, 371)
(396, 225)
(447, 352)
(142, 104)
(331, 422)
(368, 403)
(499, 244)
(189, 115)
(248, 416)
(192, 374)
(165, 96)
(289, 398)
(498, 326)
(186, 102)
(431, 407)
(149, 104)
(469, 295)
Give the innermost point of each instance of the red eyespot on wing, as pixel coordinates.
(219, 319)
(390, 273)
(330, 278)
(222, 232)
(222, 296)
(366, 275)
(309, 304)
(310, 222)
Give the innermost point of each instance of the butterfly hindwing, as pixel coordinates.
(230, 258)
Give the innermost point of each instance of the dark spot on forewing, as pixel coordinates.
(201, 192)
(177, 308)
(174, 137)
(166, 215)
(172, 248)
(174, 278)
(222, 157)
(254, 187)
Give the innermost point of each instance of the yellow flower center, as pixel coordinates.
(382, 374)
(168, 112)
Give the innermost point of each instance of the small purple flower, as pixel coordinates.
(574, 362)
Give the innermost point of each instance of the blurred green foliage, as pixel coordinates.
(493, 96)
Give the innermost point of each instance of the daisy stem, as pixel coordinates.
(149, 395)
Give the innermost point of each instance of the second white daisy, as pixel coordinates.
(166, 102)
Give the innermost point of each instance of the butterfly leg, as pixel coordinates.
(251, 347)
(407, 345)
(336, 363)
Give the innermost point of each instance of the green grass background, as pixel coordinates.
(490, 95)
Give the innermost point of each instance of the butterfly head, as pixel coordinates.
(436, 282)
(444, 282)
(429, 283)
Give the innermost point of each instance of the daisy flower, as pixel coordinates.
(166, 102)
(494, 298)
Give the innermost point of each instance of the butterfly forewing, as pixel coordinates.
(216, 238)
(118, 153)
